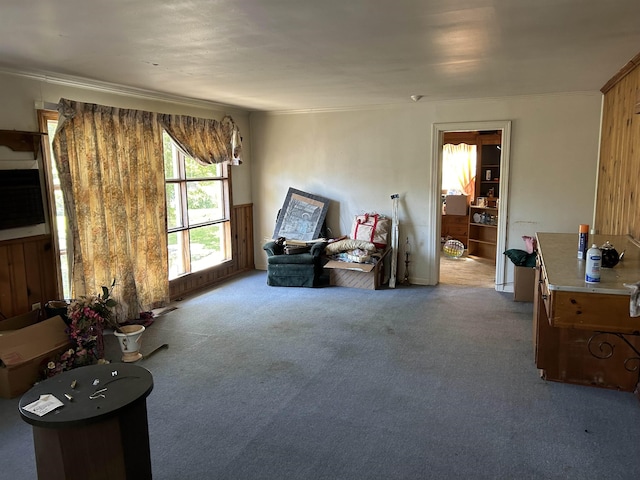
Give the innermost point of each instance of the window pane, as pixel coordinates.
(62, 229)
(195, 169)
(207, 246)
(61, 226)
(174, 209)
(205, 201)
(176, 260)
(171, 170)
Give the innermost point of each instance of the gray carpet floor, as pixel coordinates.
(416, 382)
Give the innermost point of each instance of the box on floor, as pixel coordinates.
(357, 275)
(26, 346)
(524, 284)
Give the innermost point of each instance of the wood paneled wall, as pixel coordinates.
(27, 267)
(618, 195)
(242, 254)
(27, 274)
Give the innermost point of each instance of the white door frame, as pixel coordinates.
(436, 188)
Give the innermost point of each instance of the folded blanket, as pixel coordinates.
(349, 244)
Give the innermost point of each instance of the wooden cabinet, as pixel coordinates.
(483, 232)
(583, 333)
(27, 274)
(455, 226)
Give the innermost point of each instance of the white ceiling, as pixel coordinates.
(323, 54)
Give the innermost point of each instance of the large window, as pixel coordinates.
(197, 212)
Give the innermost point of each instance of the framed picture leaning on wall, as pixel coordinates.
(302, 216)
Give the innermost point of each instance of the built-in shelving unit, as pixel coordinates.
(488, 167)
(483, 232)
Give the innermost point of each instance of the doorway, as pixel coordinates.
(494, 219)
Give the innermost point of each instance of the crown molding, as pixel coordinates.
(117, 89)
(620, 74)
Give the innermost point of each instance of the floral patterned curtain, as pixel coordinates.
(110, 163)
(204, 139)
(459, 168)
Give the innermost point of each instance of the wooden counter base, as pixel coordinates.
(562, 354)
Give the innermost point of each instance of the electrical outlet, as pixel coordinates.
(35, 306)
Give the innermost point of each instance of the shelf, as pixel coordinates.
(488, 166)
(482, 236)
(21, 141)
(481, 249)
(484, 242)
(482, 225)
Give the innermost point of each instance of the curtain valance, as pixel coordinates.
(205, 139)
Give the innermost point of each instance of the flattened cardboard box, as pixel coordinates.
(8, 325)
(24, 353)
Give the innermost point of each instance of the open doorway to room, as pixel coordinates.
(472, 164)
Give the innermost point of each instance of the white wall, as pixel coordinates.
(20, 94)
(358, 158)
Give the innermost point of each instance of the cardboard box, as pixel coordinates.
(456, 204)
(524, 284)
(357, 275)
(25, 349)
(20, 321)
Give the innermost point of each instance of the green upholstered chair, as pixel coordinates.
(295, 270)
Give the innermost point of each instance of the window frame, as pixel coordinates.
(184, 228)
(44, 117)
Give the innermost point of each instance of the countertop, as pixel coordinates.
(565, 272)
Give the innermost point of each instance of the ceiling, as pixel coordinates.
(280, 55)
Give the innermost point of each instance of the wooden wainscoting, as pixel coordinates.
(27, 274)
(28, 271)
(242, 257)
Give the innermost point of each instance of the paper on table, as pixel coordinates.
(44, 405)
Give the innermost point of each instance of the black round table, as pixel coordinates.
(101, 431)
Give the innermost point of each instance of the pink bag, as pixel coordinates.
(373, 228)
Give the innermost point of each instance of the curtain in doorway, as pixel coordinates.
(459, 168)
(110, 162)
